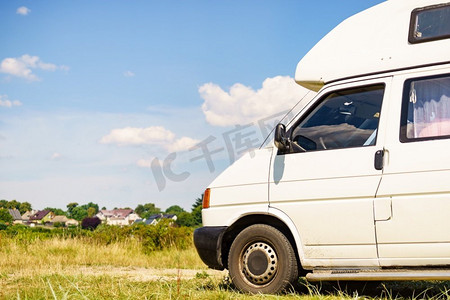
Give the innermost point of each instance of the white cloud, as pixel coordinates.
(182, 144)
(18, 68)
(144, 163)
(128, 74)
(138, 136)
(21, 66)
(155, 135)
(5, 102)
(242, 104)
(56, 156)
(23, 10)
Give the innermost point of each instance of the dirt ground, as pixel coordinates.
(134, 273)
(148, 274)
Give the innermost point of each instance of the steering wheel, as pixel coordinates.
(331, 142)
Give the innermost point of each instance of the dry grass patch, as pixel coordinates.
(55, 255)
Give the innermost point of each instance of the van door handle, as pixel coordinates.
(379, 161)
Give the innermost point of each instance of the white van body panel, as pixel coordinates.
(228, 215)
(243, 194)
(245, 182)
(256, 161)
(417, 178)
(306, 254)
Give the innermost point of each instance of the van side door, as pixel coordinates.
(416, 175)
(328, 180)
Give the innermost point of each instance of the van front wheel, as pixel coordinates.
(262, 260)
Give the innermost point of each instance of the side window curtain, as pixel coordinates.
(342, 119)
(428, 103)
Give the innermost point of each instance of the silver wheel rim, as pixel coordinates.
(259, 263)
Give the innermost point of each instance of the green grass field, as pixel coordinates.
(80, 268)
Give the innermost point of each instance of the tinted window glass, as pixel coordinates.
(426, 108)
(347, 118)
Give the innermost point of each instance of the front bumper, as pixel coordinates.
(208, 242)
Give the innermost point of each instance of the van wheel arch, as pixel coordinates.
(249, 220)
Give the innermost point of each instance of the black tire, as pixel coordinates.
(262, 260)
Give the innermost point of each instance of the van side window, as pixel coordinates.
(426, 109)
(342, 119)
(429, 23)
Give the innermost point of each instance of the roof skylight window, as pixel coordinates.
(430, 23)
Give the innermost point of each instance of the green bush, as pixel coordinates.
(26, 234)
(163, 236)
(3, 226)
(151, 237)
(5, 216)
(58, 224)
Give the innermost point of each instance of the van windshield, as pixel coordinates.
(287, 118)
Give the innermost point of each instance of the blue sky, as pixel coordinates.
(91, 92)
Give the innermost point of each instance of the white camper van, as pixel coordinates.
(357, 186)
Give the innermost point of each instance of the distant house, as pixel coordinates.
(26, 216)
(154, 219)
(60, 219)
(72, 222)
(121, 217)
(42, 216)
(65, 221)
(15, 214)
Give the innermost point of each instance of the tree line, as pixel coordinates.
(80, 212)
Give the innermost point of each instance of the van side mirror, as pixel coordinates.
(281, 141)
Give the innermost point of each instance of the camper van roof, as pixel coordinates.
(389, 36)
